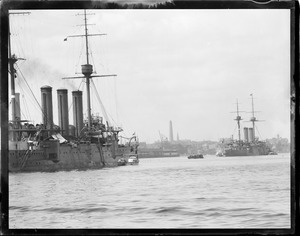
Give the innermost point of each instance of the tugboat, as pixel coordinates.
(250, 146)
(133, 160)
(219, 154)
(196, 156)
(273, 153)
(122, 162)
(46, 147)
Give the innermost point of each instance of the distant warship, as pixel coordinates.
(250, 146)
(88, 144)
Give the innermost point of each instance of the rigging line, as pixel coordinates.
(28, 34)
(257, 131)
(22, 113)
(101, 50)
(23, 95)
(21, 51)
(116, 99)
(80, 54)
(80, 84)
(20, 84)
(234, 129)
(96, 52)
(70, 50)
(16, 32)
(101, 104)
(109, 93)
(91, 47)
(105, 57)
(30, 90)
(112, 116)
(93, 60)
(126, 121)
(26, 107)
(24, 103)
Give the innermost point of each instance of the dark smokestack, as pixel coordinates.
(246, 134)
(77, 111)
(251, 137)
(63, 111)
(46, 92)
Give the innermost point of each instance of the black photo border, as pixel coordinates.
(7, 5)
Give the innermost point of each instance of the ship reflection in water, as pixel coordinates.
(157, 193)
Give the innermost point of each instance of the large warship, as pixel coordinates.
(250, 145)
(87, 144)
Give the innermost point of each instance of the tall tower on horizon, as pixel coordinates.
(171, 132)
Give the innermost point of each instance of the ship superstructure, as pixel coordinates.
(87, 144)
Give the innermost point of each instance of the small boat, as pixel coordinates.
(219, 154)
(272, 153)
(133, 160)
(122, 162)
(197, 156)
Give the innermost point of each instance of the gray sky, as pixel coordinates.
(188, 66)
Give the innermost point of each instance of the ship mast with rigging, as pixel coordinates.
(238, 119)
(12, 59)
(87, 69)
(253, 118)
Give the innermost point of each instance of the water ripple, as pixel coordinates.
(159, 193)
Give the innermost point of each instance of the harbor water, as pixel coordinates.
(177, 192)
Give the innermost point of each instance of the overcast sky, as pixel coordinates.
(188, 66)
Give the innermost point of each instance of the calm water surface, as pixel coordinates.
(214, 192)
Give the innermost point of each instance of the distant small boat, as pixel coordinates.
(133, 160)
(272, 153)
(197, 156)
(122, 162)
(219, 154)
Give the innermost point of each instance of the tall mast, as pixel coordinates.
(12, 59)
(87, 69)
(87, 75)
(238, 119)
(253, 118)
(86, 38)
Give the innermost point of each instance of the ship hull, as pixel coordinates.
(253, 151)
(52, 157)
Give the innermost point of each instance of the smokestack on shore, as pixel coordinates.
(63, 111)
(77, 111)
(171, 132)
(46, 92)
